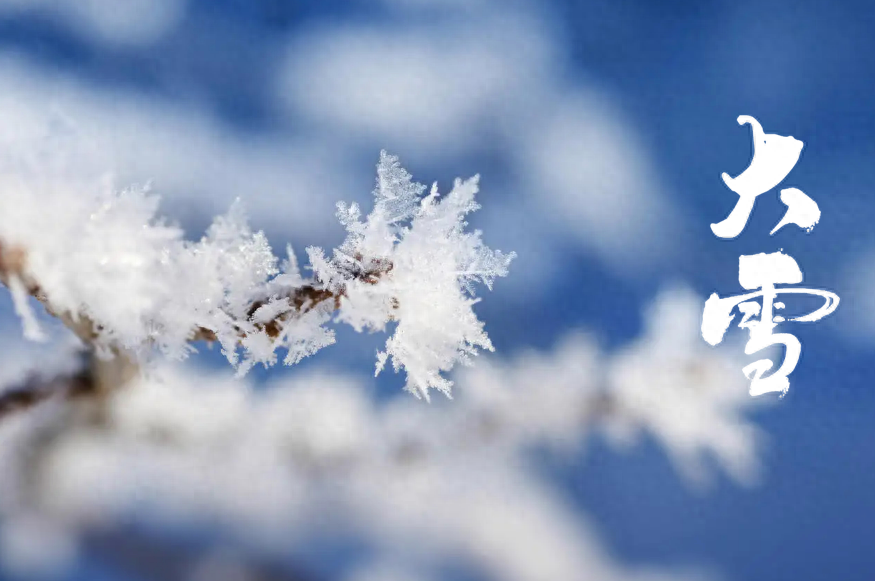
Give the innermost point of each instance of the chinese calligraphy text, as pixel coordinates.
(773, 159)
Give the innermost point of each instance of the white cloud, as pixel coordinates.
(491, 81)
(418, 88)
(133, 22)
(856, 315)
(588, 168)
(196, 164)
(423, 5)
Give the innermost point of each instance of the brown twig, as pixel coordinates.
(301, 300)
(305, 298)
(36, 389)
(101, 376)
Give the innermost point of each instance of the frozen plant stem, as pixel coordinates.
(129, 285)
(101, 374)
(98, 375)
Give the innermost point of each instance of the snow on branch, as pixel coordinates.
(128, 282)
(313, 452)
(434, 263)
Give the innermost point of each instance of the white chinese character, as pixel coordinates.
(763, 271)
(773, 158)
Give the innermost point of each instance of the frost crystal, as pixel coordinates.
(426, 264)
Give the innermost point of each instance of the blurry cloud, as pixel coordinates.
(446, 5)
(34, 547)
(856, 315)
(197, 164)
(491, 84)
(129, 23)
(419, 89)
(595, 179)
(387, 571)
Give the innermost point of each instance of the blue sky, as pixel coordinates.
(669, 78)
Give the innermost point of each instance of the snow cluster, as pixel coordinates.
(315, 457)
(106, 257)
(666, 384)
(430, 287)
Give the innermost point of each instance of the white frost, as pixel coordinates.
(106, 257)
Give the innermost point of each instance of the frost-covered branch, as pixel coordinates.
(130, 285)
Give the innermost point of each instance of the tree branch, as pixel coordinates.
(101, 375)
(35, 390)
